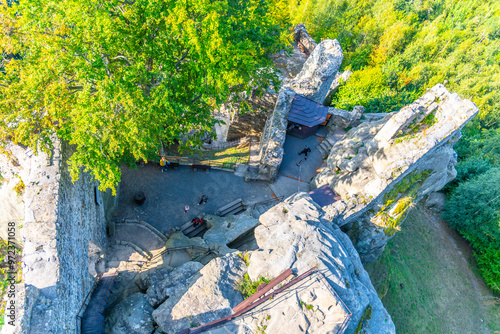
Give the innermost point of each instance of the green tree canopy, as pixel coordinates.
(118, 78)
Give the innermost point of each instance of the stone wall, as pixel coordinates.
(252, 123)
(63, 231)
(382, 167)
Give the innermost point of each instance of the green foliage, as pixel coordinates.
(367, 315)
(398, 201)
(19, 187)
(247, 287)
(467, 169)
(398, 49)
(118, 79)
(306, 306)
(245, 256)
(474, 210)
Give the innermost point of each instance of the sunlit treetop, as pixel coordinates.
(117, 79)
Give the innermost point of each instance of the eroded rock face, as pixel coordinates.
(131, 316)
(293, 235)
(210, 296)
(382, 167)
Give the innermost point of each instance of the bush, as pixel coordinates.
(248, 287)
(474, 210)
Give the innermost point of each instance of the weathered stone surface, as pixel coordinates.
(168, 282)
(131, 316)
(209, 297)
(319, 70)
(334, 87)
(244, 124)
(435, 201)
(293, 235)
(224, 230)
(301, 36)
(344, 118)
(313, 82)
(382, 166)
(274, 135)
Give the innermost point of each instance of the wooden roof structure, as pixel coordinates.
(307, 112)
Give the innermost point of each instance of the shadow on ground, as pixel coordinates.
(167, 194)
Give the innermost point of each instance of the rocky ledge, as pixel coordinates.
(294, 235)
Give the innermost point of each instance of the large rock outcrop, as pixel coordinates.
(382, 167)
(313, 82)
(292, 234)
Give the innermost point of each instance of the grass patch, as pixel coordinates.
(306, 306)
(247, 287)
(245, 257)
(231, 155)
(426, 285)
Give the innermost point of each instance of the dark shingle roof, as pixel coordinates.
(307, 112)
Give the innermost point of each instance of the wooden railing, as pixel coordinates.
(188, 161)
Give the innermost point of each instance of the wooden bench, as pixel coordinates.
(191, 231)
(174, 165)
(232, 208)
(206, 168)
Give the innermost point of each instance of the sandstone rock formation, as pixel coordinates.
(318, 80)
(293, 235)
(382, 167)
(313, 82)
(131, 316)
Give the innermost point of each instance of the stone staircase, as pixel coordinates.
(192, 231)
(133, 245)
(325, 146)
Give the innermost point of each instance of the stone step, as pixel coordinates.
(188, 231)
(139, 235)
(198, 231)
(323, 151)
(137, 249)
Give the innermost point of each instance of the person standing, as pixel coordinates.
(203, 199)
(164, 164)
(186, 209)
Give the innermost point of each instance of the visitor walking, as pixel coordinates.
(186, 209)
(305, 151)
(203, 199)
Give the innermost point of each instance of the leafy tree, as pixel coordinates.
(474, 210)
(118, 79)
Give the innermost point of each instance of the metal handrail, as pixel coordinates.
(205, 162)
(243, 307)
